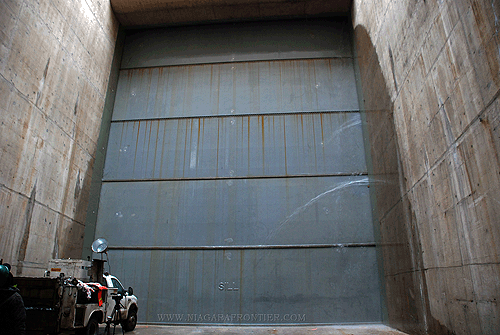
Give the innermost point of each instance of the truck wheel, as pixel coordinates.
(92, 327)
(131, 322)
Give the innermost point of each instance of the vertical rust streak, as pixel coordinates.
(284, 144)
(198, 144)
(304, 139)
(188, 104)
(136, 142)
(302, 124)
(297, 68)
(314, 143)
(173, 87)
(297, 137)
(316, 83)
(185, 146)
(233, 68)
(158, 100)
(211, 82)
(310, 89)
(330, 77)
(202, 135)
(242, 131)
(280, 89)
(202, 132)
(218, 92)
(166, 88)
(128, 88)
(185, 95)
(149, 142)
(240, 151)
(321, 122)
(156, 147)
(263, 145)
(121, 140)
(150, 79)
(248, 143)
(258, 89)
(178, 145)
(162, 147)
(274, 137)
(258, 127)
(322, 139)
(218, 140)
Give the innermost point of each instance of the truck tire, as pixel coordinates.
(129, 324)
(92, 327)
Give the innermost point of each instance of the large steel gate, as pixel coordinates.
(235, 189)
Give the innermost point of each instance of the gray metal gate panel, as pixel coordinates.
(243, 211)
(326, 285)
(236, 88)
(236, 193)
(252, 41)
(237, 146)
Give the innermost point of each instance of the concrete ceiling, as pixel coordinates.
(142, 13)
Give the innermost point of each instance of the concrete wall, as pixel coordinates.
(55, 60)
(430, 80)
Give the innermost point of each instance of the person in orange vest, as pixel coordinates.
(99, 294)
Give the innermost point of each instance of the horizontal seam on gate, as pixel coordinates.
(241, 247)
(234, 115)
(355, 174)
(229, 62)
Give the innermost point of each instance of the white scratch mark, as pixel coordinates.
(343, 127)
(192, 162)
(302, 208)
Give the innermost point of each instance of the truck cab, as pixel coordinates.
(128, 302)
(127, 314)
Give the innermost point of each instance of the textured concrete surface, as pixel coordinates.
(55, 58)
(433, 67)
(230, 330)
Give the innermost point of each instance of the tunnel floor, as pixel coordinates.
(371, 329)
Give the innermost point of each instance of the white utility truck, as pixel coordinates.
(76, 295)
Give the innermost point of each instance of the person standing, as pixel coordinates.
(12, 312)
